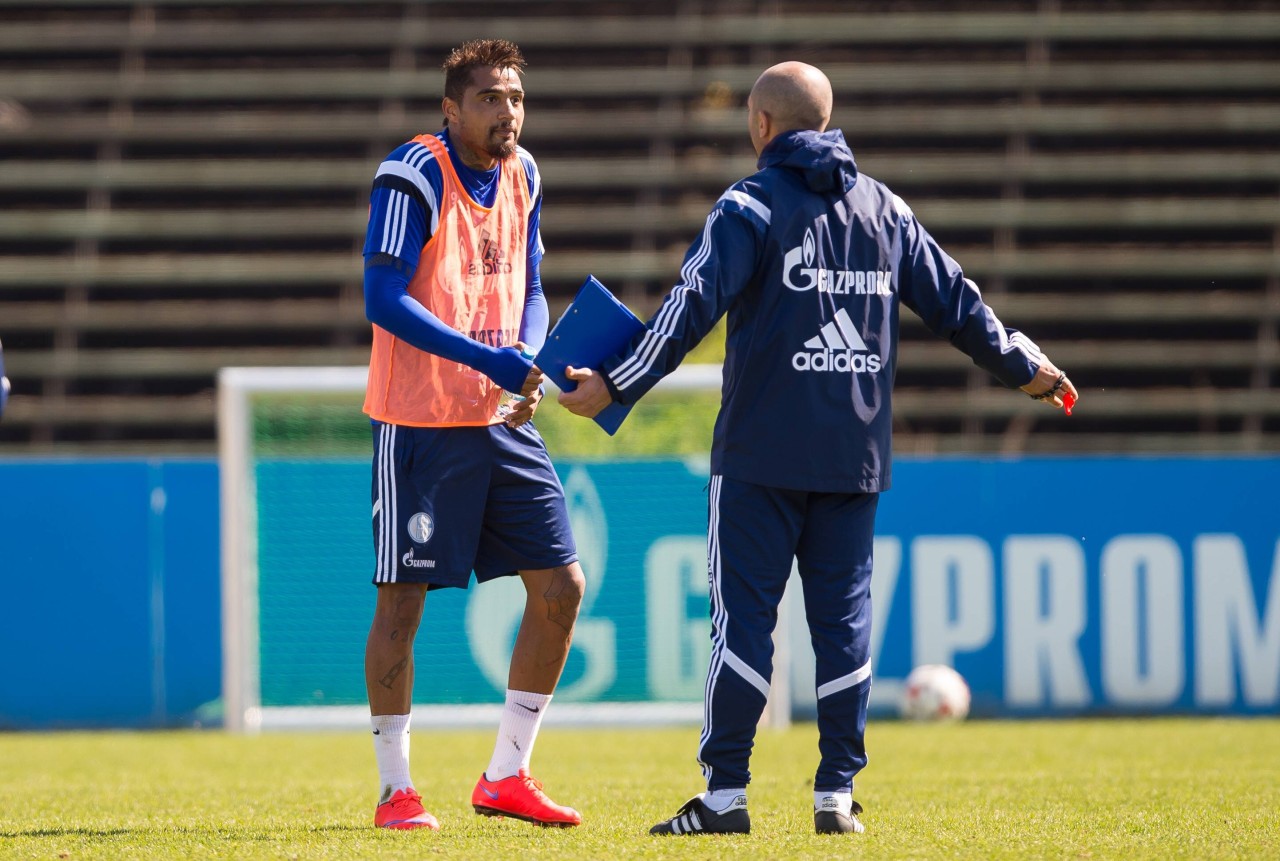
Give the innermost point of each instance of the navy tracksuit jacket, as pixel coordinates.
(811, 262)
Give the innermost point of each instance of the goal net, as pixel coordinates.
(297, 561)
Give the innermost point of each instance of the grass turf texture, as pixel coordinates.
(1163, 788)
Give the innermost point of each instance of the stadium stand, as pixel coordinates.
(184, 185)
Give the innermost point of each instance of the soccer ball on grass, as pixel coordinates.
(935, 692)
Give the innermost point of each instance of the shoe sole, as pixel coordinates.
(694, 833)
(405, 825)
(833, 823)
(545, 823)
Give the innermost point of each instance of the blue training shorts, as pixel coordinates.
(449, 501)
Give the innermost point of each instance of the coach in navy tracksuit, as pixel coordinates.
(811, 262)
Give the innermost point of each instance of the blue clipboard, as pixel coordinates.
(594, 327)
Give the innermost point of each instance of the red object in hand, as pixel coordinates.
(1068, 401)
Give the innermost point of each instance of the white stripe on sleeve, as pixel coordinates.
(746, 201)
(641, 362)
(411, 170)
(402, 224)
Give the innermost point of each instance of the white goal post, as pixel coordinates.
(242, 674)
(241, 700)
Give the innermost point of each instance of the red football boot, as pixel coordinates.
(404, 811)
(521, 797)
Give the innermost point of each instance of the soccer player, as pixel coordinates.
(461, 479)
(810, 259)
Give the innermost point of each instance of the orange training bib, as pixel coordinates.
(471, 275)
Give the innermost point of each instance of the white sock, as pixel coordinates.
(721, 800)
(840, 801)
(517, 731)
(391, 746)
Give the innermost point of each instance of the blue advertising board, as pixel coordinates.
(1085, 585)
(1056, 586)
(109, 610)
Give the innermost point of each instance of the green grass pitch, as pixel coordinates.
(1161, 788)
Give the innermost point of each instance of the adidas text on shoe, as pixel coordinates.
(521, 797)
(404, 811)
(694, 817)
(829, 819)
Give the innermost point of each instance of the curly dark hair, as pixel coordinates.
(499, 53)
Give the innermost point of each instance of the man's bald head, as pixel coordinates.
(791, 96)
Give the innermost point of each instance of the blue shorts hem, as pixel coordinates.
(483, 577)
(530, 565)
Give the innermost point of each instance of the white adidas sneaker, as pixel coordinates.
(831, 817)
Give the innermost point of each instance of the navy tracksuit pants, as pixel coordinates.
(754, 534)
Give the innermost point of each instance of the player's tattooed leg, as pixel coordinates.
(563, 596)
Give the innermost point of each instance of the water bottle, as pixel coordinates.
(509, 400)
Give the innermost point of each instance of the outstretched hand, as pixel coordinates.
(591, 395)
(1052, 386)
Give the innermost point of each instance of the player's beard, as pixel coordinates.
(503, 149)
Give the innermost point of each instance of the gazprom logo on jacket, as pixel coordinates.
(798, 262)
